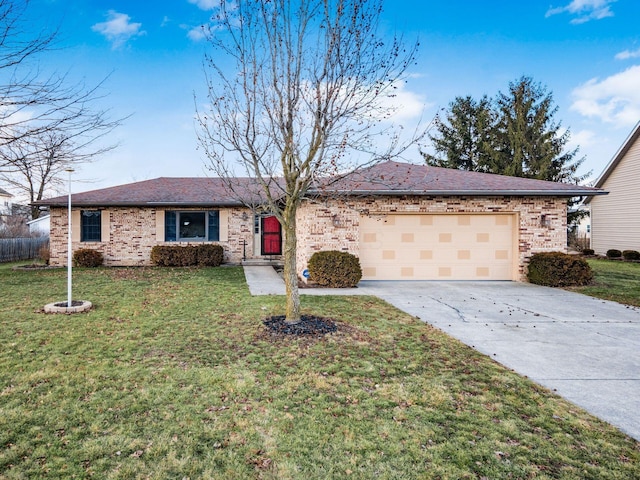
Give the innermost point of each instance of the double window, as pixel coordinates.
(90, 226)
(191, 226)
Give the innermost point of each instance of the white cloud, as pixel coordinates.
(582, 139)
(585, 10)
(627, 54)
(198, 33)
(405, 104)
(118, 28)
(615, 99)
(206, 4)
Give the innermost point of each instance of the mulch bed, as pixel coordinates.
(310, 325)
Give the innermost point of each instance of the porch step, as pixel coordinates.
(260, 262)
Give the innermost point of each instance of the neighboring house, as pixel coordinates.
(40, 226)
(403, 221)
(615, 218)
(5, 203)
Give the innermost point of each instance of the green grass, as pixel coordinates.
(614, 280)
(173, 376)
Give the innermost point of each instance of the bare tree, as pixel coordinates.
(297, 91)
(35, 164)
(46, 122)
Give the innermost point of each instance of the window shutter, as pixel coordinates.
(169, 226)
(214, 226)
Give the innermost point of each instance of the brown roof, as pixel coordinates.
(164, 191)
(389, 178)
(394, 178)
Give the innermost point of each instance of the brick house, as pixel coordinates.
(403, 221)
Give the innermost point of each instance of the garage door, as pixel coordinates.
(437, 247)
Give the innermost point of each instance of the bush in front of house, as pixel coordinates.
(210, 255)
(205, 255)
(631, 255)
(335, 269)
(86, 257)
(44, 254)
(557, 269)
(589, 252)
(614, 253)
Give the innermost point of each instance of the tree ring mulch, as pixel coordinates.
(309, 325)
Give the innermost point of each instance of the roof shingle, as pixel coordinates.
(388, 178)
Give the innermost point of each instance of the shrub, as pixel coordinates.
(86, 257)
(335, 269)
(556, 269)
(210, 255)
(631, 255)
(44, 254)
(206, 255)
(613, 253)
(588, 252)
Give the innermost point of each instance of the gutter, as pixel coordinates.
(476, 193)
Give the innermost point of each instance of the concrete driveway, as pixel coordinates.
(584, 349)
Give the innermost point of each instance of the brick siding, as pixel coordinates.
(322, 225)
(334, 224)
(132, 234)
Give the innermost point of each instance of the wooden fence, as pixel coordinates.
(14, 249)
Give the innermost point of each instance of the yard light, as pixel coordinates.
(69, 256)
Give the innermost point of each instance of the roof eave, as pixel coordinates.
(477, 193)
(141, 204)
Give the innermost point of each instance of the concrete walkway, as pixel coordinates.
(584, 349)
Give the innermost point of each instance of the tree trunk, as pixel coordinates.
(290, 270)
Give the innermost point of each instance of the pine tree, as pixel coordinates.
(463, 141)
(526, 141)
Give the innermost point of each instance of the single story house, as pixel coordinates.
(403, 221)
(615, 218)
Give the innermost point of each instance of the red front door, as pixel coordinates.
(271, 236)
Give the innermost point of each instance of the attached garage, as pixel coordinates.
(438, 246)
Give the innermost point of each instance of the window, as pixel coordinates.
(194, 226)
(90, 226)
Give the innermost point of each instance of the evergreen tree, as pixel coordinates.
(463, 140)
(526, 141)
(515, 135)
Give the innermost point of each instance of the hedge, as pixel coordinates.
(86, 257)
(557, 269)
(205, 255)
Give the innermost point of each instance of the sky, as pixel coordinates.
(585, 52)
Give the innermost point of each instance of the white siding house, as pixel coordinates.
(40, 226)
(5, 202)
(615, 218)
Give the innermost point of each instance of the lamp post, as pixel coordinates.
(69, 256)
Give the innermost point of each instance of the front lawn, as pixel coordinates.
(614, 280)
(172, 375)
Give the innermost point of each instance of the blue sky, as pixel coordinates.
(587, 52)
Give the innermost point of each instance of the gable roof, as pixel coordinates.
(395, 178)
(388, 178)
(617, 158)
(4, 193)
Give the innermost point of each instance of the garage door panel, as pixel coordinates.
(419, 247)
